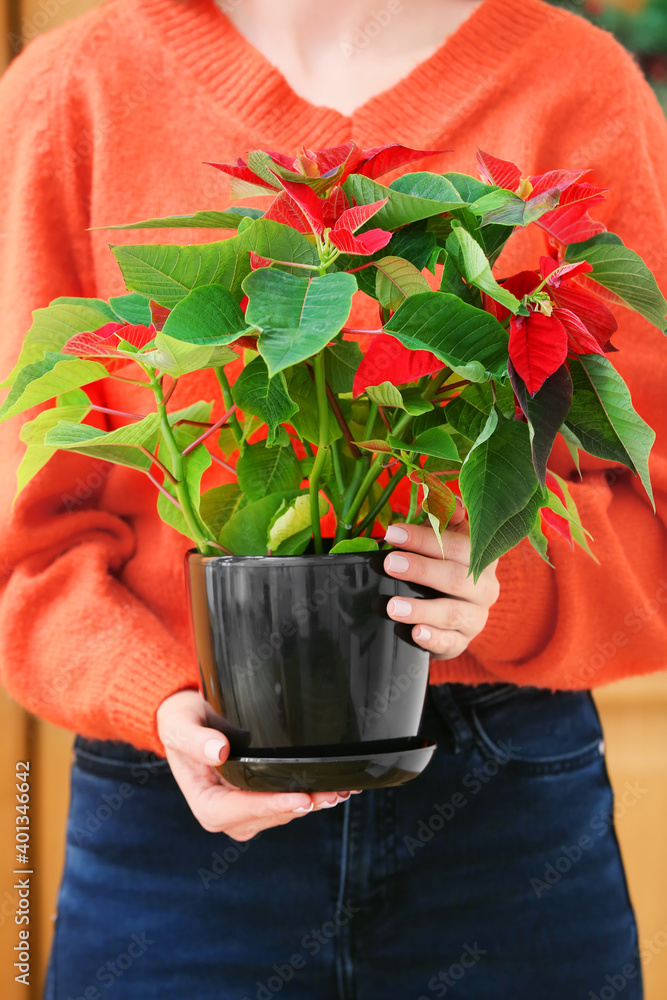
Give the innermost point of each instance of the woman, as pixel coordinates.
(499, 866)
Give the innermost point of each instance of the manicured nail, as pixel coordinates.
(396, 562)
(423, 633)
(399, 608)
(342, 796)
(213, 749)
(328, 805)
(395, 535)
(304, 809)
(357, 791)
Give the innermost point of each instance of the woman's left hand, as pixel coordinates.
(445, 625)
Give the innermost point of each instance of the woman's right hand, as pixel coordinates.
(193, 749)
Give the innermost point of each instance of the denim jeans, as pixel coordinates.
(495, 875)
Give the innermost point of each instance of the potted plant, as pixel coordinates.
(466, 383)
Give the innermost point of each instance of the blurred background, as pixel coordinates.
(634, 713)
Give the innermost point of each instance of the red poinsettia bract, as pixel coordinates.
(387, 360)
(563, 320)
(335, 163)
(105, 342)
(569, 221)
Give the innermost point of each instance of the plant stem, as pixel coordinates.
(211, 429)
(197, 530)
(338, 472)
(414, 497)
(117, 413)
(237, 430)
(369, 520)
(322, 448)
(342, 422)
(361, 466)
(376, 465)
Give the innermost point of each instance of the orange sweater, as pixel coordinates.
(109, 120)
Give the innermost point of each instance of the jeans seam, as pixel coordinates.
(344, 968)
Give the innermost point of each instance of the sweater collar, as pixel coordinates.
(425, 105)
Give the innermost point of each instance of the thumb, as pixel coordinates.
(182, 730)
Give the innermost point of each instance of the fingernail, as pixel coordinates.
(304, 809)
(395, 535)
(213, 749)
(396, 562)
(399, 608)
(357, 791)
(328, 805)
(342, 796)
(423, 633)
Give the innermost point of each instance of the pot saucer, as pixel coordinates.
(372, 769)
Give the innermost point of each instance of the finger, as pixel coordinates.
(183, 731)
(421, 538)
(443, 644)
(459, 515)
(446, 576)
(444, 613)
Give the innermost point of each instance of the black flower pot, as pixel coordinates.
(316, 688)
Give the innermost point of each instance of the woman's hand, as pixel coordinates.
(445, 626)
(193, 748)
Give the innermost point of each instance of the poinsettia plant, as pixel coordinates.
(468, 376)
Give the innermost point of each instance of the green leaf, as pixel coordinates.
(469, 411)
(267, 398)
(509, 534)
(539, 541)
(469, 189)
(497, 481)
(341, 361)
(217, 505)
(624, 273)
(576, 528)
(401, 208)
(279, 242)
(132, 308)
(435, 441)
(199, 220)
(573, 443)
(439, 502)
(471, 260)
(452, 281)
(177, 357)
(545, 412)
(633, 435)
(120, 446)
(53, 326)
(395, 280)
(261, 470)
(386, 394)
(246, 531)
(33, 433)
(166, 273)
(355, 545)
(297, 316)
(305, 420)
(42, 380)
(208, 315)
(291, 528)
(471, 341)
(505, 208)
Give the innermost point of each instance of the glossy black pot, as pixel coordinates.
(312, 682)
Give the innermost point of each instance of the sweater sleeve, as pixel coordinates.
(581, 625)
(75, 645)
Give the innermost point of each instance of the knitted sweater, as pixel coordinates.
(109, 120)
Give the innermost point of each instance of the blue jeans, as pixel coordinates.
(495, 875)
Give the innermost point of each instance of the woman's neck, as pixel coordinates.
(343, 53)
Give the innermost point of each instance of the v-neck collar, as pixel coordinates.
(253, 93)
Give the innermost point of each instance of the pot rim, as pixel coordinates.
(193, 556)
